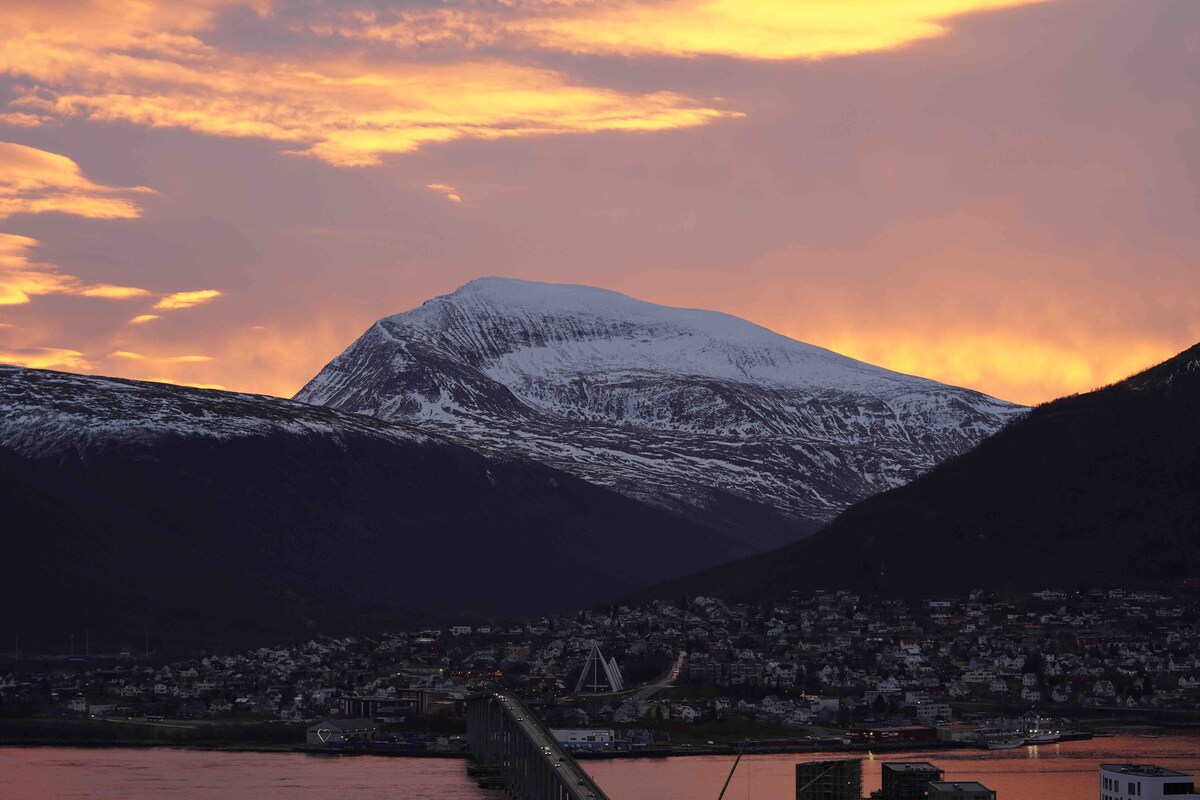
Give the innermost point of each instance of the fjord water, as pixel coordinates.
(1066, 771)
(1055, 772)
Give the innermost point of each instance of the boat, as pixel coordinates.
(1004, 744)
(1034, 734)
(1000, 737)
(1045, 737)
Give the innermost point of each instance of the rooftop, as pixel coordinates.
(1145, 770)
(910, 766)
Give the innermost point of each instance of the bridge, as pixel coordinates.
(504, 733)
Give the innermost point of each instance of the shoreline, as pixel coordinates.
(725, 749)
(676, 751)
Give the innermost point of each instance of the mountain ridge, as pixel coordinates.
(1094, 489)
(683, 408)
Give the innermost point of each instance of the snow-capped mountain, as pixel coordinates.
(693, 410)
(130, 506)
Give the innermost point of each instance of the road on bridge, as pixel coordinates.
(570, 770)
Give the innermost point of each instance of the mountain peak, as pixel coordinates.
(498, 284)
(519, 321)
(687, 408)
(516, 295)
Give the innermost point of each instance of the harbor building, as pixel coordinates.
(908, 780)
(960, 790)
(584, 738)
(1144, 782)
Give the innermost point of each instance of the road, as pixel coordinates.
(646, 692)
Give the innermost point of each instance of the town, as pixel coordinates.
(692, 672)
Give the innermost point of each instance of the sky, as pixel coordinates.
(1000, 194)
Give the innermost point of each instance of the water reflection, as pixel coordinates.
(1054, 772)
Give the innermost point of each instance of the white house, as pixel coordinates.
(685, 713)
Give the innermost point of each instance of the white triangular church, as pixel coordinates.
(599, 675)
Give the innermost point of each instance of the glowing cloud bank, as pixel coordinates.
(746, 29)
(34, 181)
(148, 64)
(22, 278)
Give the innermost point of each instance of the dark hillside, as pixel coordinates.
(1101, 489)
(192, 514)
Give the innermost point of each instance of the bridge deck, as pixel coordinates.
(503, 732)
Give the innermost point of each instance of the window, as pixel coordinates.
(1178, 788)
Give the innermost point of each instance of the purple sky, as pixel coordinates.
(995, 193)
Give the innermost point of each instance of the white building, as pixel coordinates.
(1144, 782)
(960, 790)
(584, 738)
(928, 713)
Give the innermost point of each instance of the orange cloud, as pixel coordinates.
(147, 63)
(22, 278)
(1013, 365)
(110, 292)
(185, 359)
(183, 300)
(132, 356)
(181, 383)
(35, 181)
(19, 119)
(279, 358)
(46, 358)
(142, 319)
(1000, 339)
(1022, 320)
(446, 190)
(744, 29)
